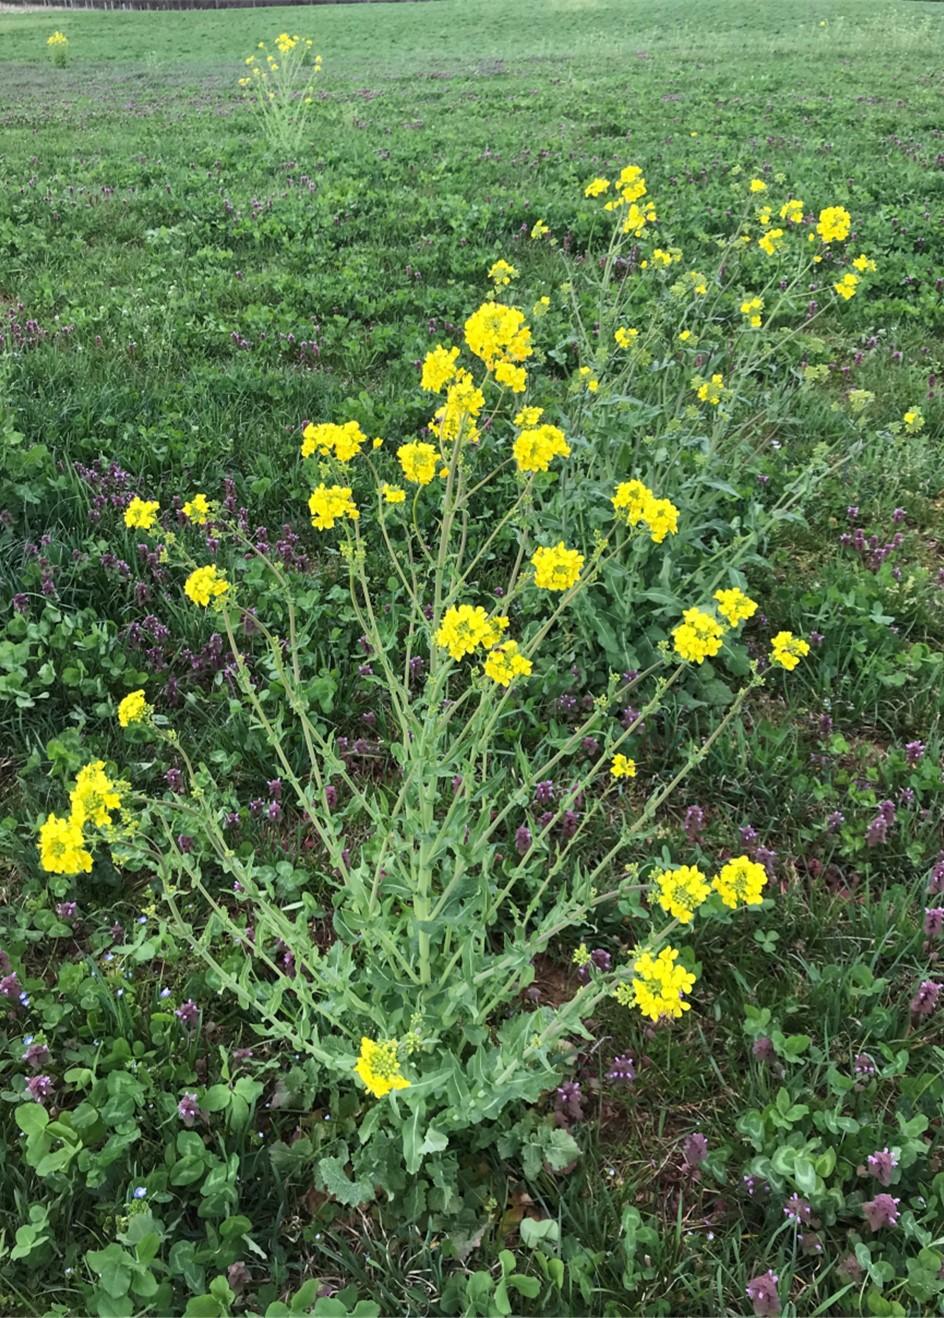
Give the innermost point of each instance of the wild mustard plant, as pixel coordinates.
(438, 886)
(58, 47)
(279, 87)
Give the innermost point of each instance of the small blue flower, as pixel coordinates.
(139, 1192)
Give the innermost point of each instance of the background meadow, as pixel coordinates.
(175, 303)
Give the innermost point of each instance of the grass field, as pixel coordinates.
(177, 301)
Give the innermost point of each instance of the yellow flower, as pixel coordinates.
(529, 416)
(504, 664)
(681, 891)
(709, 391)
(197, 510)
(536, 448)
(94, 796)
(663, 258)
(792, 211)
(556, 568)
(284, 43)
(735, 606)
(638, 504)
(392, 493)
(418, 461)
(344, 442)
(596, 187)
(204, 584)
(771, 241)
(57, 39)
(625, 337)
(134, 708)
(914, 420)
(698, 282)
(590, 380)
(740, 882)
(142, 513)
(62, 847)
(539, 229)
(498, 333)
(379, 1067)
(685, 335)
(329, 504)
(512, 377)
(658, 986)
(847, 285)
(621, 766)
(864, 264)
(465, 627)
(787, 650)
(834, 224)
(758, 185)
(439, 366)
(502, 273)
(697, 637)
(751, 309)
(457, 415)
(662, 519)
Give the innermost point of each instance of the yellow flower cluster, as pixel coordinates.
(439, 366)
(134, 708)
(466, 628)
(197, 510)
(393, 493)
(57, 39)
(142, 513)
(329, 504)
(847, 285)
(681, 891)
(556, 568)
(864, 264)
(62, 844)
(418, 461)
(792, 211)
(709, 391)
(734, 606)
(464, 401)
(204, 584)
(638, 504)
(697, 637)
(834, 224)
(740, 882)
(751, 309)
(379, 1067)
(786, 650)
(343, 442)
(536, 447)
(502, 273)
(658, 986)
(505, 663)
(625, 337)
(621, 766)
(496, 333)
(771, 241)
(913, 420)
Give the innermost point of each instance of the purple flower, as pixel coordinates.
(933, 921)
(754, 1185)
(10, 986)
(924, 1001)
(864, 1066)
(762, 1293)
(568, 1101)
(622, 1070)
(20, 603)
(67, 910)
(36, 1055)
(876, 832)
(835, 820)
(274, 811)
(331, 796)
(274, 788)
(238, 1276)
(544, 792)
(763, 1049)
(174, 779)
(188, 1013)
(798, 1210)
(694, 1150)
(936, 881)
(185, 843)
(914, 750)
(694, 822)
(40, 1087)
(881, 1211)
(882, 1165)
(522, 839)
(188, 1109)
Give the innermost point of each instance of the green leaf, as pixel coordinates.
(339, 1185)
(534, 1233)
(31, 1118)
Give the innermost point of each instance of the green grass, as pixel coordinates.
(173, 268)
